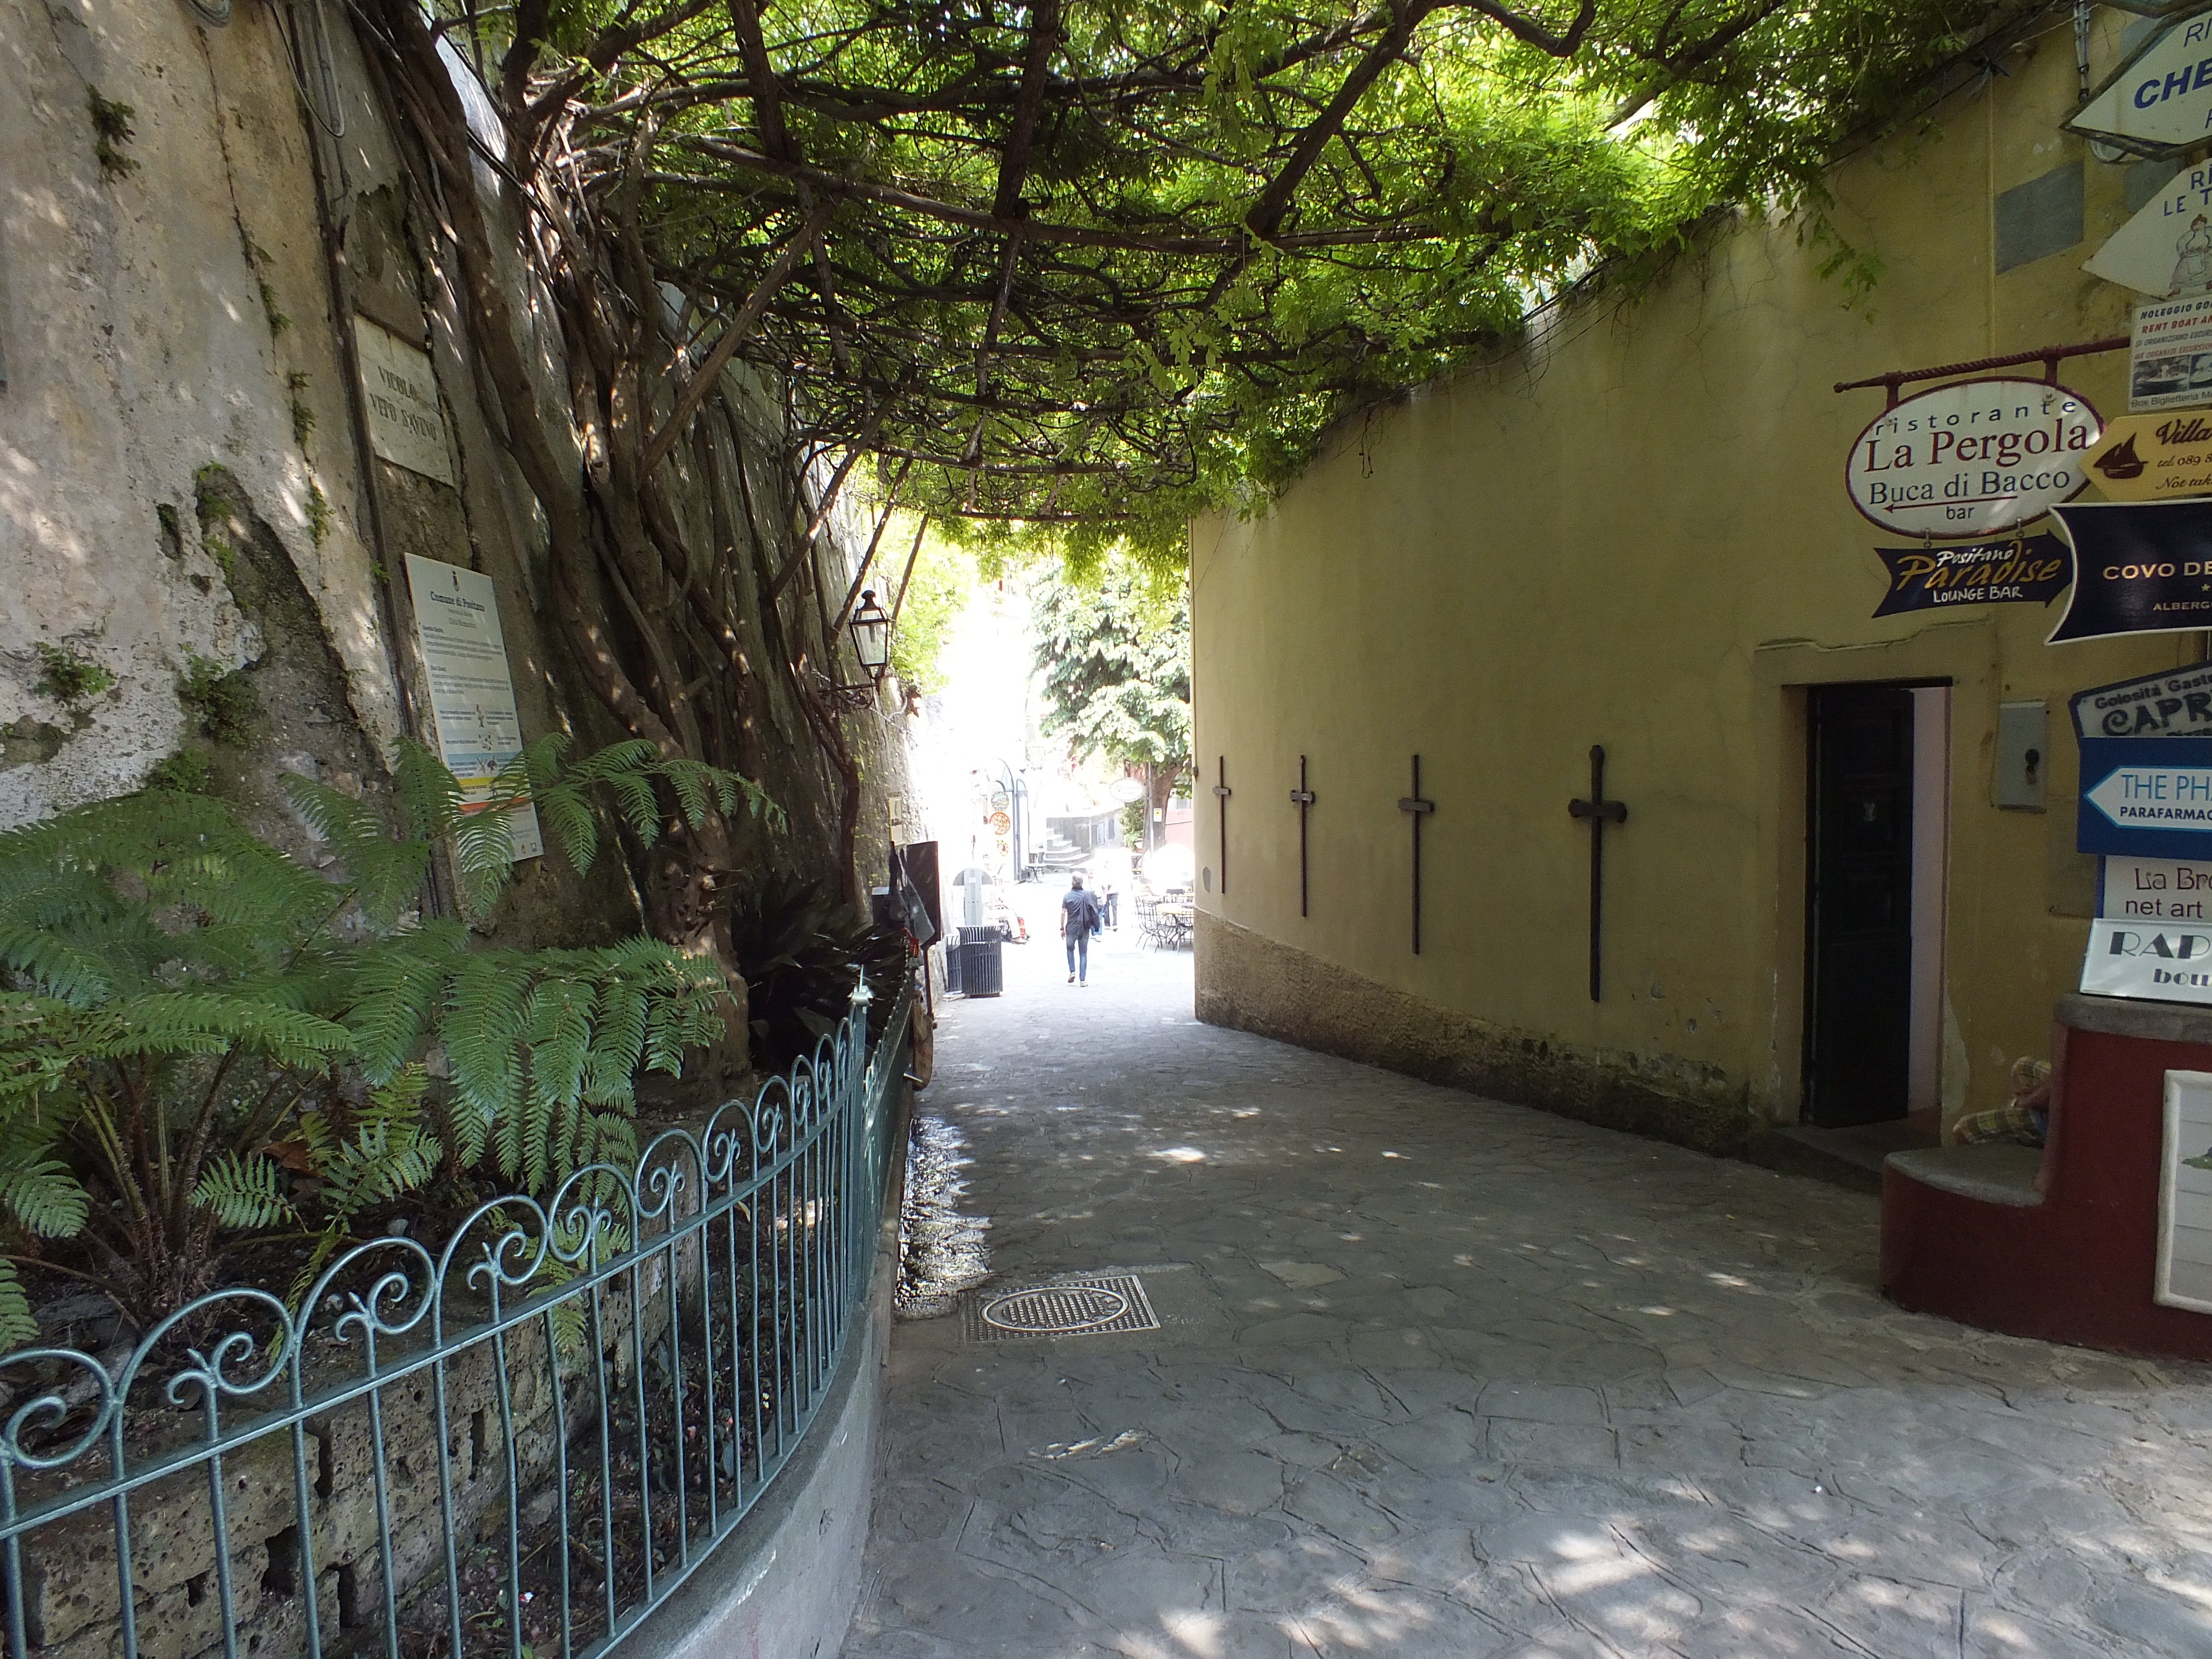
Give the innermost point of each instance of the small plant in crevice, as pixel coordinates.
(111, 131)
(189, 771)
(69, 677)
(221, 701)
(173, 530)
(212, 506)
(303, 416)
(318, 514)
(258, 259)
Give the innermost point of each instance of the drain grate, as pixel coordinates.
(1067, 1306)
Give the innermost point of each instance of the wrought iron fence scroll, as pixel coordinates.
(517, 1443)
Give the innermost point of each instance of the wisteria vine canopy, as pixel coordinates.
(1096, 265)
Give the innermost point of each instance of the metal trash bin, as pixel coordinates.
(952, 949)
(983, 962)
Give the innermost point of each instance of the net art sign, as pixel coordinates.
(1974, 458)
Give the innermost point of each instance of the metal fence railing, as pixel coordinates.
(519, 1443)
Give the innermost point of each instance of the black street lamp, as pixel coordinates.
(872, 636)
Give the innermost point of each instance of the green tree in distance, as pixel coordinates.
(1115, 655)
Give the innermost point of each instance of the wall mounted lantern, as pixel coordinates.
(872, 635)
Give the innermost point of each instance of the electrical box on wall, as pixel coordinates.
(2023, 756)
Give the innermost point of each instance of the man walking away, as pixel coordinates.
(1079, 917)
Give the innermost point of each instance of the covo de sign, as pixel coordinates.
(1973, 458)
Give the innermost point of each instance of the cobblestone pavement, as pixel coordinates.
(1438, 1376)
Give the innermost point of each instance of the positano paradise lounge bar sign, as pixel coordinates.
(2018, 570)
(1973, 458)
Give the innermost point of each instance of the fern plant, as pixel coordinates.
(202, 1039)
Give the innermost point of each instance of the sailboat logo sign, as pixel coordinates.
(1972, 458)
(2154, 457)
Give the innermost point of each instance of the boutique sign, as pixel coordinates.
(1974, 458)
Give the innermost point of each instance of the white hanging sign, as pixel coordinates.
(471, 692)
(2166, 248)
(1973, 458)
(2163, 97)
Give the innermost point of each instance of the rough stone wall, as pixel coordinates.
(170, 317)
(1253, 983)
(159, 314)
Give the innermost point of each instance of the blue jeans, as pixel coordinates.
(1078, 946)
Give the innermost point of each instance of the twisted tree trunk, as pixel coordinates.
(652, 618)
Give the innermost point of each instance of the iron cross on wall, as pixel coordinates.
(1599, 811)
(1222, 792)
(1419, 809)
(1301, 797)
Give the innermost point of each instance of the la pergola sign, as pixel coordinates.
(1973, 458)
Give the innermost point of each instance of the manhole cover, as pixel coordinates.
(1066, 1307)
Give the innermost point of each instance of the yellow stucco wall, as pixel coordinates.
(1635, 533)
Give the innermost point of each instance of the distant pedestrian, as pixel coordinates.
(1080, 920)
(1113, 904)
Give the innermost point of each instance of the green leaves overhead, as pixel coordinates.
(1093, 264)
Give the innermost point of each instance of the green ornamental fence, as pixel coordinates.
(519, 1443)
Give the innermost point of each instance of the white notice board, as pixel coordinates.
(2184, 1195)
(472, 693)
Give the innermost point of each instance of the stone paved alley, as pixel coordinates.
(1439, 1377)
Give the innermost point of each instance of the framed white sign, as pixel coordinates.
(471, 692)
(2184, 1195)
(2170, 355)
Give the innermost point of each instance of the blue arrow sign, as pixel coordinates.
(2148, 797)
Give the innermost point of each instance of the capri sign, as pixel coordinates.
(1973, 458)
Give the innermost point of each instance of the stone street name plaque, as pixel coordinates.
(405, 425)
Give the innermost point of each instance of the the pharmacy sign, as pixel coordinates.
(2146, 797)
(2161, 97)
(1974, 458)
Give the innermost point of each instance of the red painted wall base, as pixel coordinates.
(2079, 1266)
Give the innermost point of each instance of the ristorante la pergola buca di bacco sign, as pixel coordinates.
(1973, 458)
